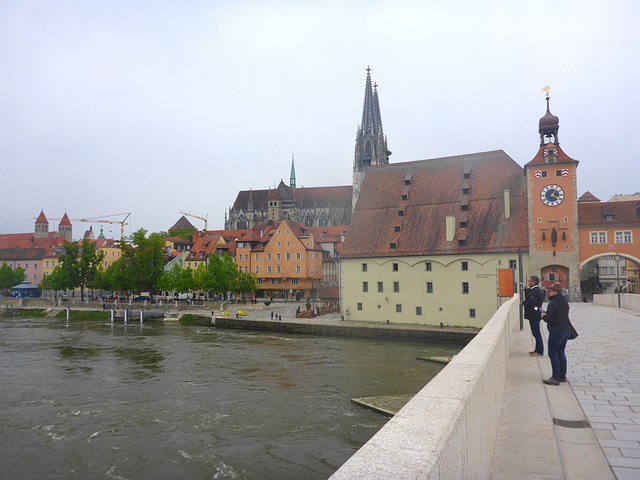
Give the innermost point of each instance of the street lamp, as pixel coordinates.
(617, 257)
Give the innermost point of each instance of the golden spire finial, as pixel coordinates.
(547, 89)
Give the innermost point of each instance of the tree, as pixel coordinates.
(54, 281)
(79, 265)
(9, 277)
(143, 264)
(221, 274)
(245, 283)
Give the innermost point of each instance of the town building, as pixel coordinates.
(285, 258)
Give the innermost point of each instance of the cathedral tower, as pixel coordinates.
(371, 143)
(553, 210)
(42, 226)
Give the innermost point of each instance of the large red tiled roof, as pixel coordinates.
(14, 254)
(435, 192)
(624, 214)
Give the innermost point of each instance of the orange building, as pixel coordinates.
(285, 258)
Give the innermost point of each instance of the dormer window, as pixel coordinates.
(404, 197)
(609, 217)
(465, 191)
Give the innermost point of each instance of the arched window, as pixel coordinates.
(308, 220)
(241, 224)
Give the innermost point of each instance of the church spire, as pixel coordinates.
(371, 144)
(549, 124)
(292, 179)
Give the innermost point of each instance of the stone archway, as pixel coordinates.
(554, 273)
(608, 272)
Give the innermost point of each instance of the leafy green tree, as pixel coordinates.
(143, 261)
(246, 283)
(221, 274)
(9, 277)
(54, 281)
(79, 265)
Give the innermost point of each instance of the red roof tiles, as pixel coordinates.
(435, 191)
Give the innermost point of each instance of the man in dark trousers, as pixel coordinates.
(532, 311)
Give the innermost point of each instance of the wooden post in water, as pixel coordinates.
(113, 315)
(126, 315)
(68, 313)
(141, 315)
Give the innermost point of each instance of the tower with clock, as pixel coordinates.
(552, 202)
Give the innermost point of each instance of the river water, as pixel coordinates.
(87, 399)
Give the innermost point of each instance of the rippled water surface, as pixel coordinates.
(162, 401)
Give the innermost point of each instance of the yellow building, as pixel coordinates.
(285, 258)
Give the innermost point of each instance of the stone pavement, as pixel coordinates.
(587, 428)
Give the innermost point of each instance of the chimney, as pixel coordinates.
(507, 204)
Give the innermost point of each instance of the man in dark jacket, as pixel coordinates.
(532, 312)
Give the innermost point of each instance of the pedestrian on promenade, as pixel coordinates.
(534, 297)
(557, 318)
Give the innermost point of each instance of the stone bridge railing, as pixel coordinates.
(449, 428)
(629, 301)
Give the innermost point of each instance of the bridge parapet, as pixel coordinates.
(449, 428)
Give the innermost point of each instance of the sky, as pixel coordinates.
(157, 107)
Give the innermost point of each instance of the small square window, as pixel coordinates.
(465, 287)
(396, 228)
(512, 264)
(463, 224)
(462, 243)
(543, 174)
(472, 313)
(401, 213)
(404, 197)
(396, 287)
(465, 266)
(558, 173)
(466, 191)
(418, 310)
(427, 267)
(393, 246)
(359, 306)
(394, 267)
(398, 308)
(465, 208)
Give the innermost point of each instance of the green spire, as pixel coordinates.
(292, 180)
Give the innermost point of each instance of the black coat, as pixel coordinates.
(557, 316)
(534, 297)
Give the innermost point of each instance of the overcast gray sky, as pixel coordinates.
(153, 107)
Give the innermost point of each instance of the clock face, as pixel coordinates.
(552, 195)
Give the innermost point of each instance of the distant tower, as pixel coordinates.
(42, 226)
(292, 179)
(274, 211)
(371, 143)
(552, 202)
(65, 229)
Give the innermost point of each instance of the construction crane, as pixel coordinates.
(204, 219)
(99, 220)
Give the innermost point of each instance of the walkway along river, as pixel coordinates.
(91, 399)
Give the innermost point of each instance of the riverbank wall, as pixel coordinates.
(346, 329)
(449, 428)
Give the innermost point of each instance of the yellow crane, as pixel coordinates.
(204, 219)
(99, 220)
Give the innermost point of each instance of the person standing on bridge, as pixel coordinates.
(532, 311)
(557, 318)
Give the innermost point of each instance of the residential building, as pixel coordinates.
(285, 258)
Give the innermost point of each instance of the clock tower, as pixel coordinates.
(553, 210)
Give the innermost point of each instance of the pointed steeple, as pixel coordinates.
(371, 144)
(42, 226)
(292, 179)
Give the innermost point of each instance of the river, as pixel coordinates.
(91, 400)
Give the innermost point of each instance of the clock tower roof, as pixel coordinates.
(548, 125)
